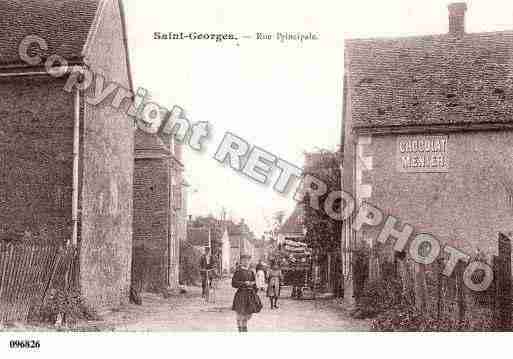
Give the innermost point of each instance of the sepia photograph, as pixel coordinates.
(261, 172)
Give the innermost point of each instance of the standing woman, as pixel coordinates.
(246, 301)
(274, 284)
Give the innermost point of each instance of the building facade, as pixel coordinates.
(427, 136)
(152, 225)
(67, 165)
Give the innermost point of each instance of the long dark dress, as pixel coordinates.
(274, 283)
(245, 301)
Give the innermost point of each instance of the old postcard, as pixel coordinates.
(249, 169)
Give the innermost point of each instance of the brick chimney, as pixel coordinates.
(457, 18)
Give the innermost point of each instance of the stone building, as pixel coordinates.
(160, 188)
(200, 238)
(67, 165)
(153, 240)
(427, 135)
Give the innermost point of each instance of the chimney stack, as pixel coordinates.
(457, 18)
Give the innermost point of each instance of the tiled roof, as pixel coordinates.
(148, 143)
(64, 24)
(293, 224)
(430, 80)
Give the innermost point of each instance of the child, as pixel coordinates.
(246, 301)
(260, 276)
(274, 284)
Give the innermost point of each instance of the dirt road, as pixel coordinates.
(190, 312)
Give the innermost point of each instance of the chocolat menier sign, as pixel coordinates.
(422, 153)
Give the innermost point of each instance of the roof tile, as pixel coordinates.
(64, 24)
(430, 80)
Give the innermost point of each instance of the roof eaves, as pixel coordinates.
(24, 67)
(127, 51)
(177, 161)
(94, 27)
(150, 154)
(356, 40)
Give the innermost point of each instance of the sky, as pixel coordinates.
(283, 97)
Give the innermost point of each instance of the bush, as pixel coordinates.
(393, 309)
(189, 264)
(404, 318)
(407, 318)
(67, 303)
(380, 294)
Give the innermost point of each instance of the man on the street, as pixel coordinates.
(206, 264)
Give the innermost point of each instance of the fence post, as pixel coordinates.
(495, 288)
(460, 287)
(439, 266)
(420, 287)
(503, 285)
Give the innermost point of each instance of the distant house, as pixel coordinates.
(227, 239)
(292, 228)
(241, 242)
(67, 165)
(263, 248)
(199, 238)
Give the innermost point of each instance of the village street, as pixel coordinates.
(189, 312)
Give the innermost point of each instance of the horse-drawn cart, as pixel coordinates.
(296, 265)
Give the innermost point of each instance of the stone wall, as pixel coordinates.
(465, 207)
(151, 224)
(36, 157)
(107, 185)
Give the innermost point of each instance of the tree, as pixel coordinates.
(323, 233)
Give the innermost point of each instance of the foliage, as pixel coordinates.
(406, 317)
(68, 303)
(323, 232)
(385, 301)
(380, 295)
(189, 264)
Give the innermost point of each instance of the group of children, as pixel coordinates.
(246, 301)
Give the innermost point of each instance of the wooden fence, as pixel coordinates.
(453, 305)
(27, 271)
